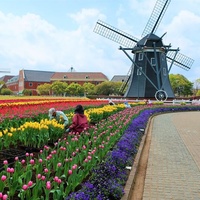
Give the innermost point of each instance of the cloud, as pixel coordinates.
(30, 42)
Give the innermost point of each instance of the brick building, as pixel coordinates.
(31, 79)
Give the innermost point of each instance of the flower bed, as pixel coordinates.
(108, 179)
(99, 155)
(66, 165)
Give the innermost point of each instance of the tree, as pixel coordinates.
(44, 89)
(75, 89)
(108, 88)
(27, 92)
(6, 91)
(196, 86)
(59, 88)
(89, 88)
(181, 86)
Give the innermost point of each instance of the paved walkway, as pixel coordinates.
(173, 169)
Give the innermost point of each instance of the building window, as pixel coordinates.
(139, 71)
(87, 77)
(164, 71)
(38, 84)
(64, 76)
(140, 56)
(153, 61)
(30, 84)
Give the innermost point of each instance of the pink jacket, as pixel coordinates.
(79, 123)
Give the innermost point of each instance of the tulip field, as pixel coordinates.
(38, 161)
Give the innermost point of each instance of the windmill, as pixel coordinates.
(148, 76)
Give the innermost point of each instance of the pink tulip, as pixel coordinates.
(43, 178)
(74, 166)
(56, 178)
(32, 162)
(5, 196)
(73, 153)
(27, 154)
(10, 170)
(48, 158)
(1, 194)
(16, 158)
(59, 164)
(30, 183)
(59, 181)
(46, 170)
(39, 176)
(40, 160)
(70, 172)
(48, 185)
(31, 154)
(23, 161)
(25, 187)
(3, 177)
(5, 162)
(89, 158)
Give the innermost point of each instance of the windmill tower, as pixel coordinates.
(148, 76)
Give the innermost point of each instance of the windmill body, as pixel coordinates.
(149, 70)
(148, 76)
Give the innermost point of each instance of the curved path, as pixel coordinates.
(169, 164)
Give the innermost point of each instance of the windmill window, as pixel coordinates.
(140, 57)
(153, 61)
(139, 71)
(164, 72)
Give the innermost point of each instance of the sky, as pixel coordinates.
(56, 35)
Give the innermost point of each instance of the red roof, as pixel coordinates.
(79, 76)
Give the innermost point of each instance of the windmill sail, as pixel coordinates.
(126, 81)
(149, 75)
(115, 34)
(180, 60)
(156, 16)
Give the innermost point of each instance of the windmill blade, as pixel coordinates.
(180, 60)
(4, 70)
(115, 34)
(156, 16)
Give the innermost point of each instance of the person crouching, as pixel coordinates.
(79, 121)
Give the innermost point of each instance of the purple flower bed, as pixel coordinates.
(108, 179)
